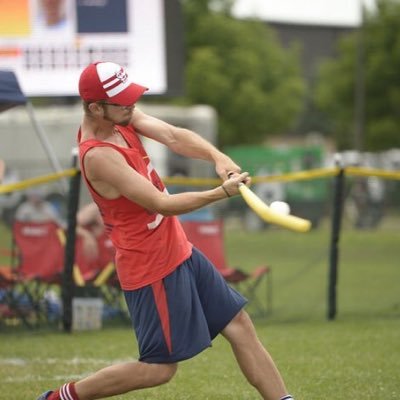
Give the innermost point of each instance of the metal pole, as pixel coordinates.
(47, 146)
(335, 236)
(69, 258)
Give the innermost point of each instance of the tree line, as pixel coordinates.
(258, 89)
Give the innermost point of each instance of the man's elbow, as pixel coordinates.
(164, 207)
(166, 211)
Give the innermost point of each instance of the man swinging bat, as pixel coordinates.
(177, 300)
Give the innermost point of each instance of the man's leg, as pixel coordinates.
(120, 378)
(253, 359)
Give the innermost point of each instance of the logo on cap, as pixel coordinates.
(114, 80)
(122, 75)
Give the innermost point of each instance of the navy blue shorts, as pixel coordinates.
(177, 317)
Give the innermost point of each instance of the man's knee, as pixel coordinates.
(241, 325)
(241, 321)
(165, 372)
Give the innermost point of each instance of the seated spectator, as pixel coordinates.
(37, 209)
(89, 220)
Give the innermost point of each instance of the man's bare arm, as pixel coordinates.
(111, 176)
(184, 142)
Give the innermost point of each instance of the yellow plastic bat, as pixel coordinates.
(264, 212)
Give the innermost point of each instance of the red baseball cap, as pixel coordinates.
(108, 81)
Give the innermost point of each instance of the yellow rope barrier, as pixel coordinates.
(359, 171)
(180, 180)
(293, 176)
(298, 176)
(11, 187)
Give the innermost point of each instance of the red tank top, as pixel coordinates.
(148, 246)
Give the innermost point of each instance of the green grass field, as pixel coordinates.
(356, 356)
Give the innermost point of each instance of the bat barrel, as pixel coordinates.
(264, 212)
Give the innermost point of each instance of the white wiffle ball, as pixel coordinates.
(280, 207)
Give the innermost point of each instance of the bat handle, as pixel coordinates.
(240, 183)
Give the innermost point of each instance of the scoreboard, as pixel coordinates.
(47, 43)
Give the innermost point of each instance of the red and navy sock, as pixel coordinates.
(66, 392)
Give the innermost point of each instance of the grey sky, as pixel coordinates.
(331, 12)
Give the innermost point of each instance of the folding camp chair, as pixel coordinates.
(100, 276)
(14, 307)
(101, 265)
(208, 237)
(107, 280)
(41, 253)
(39, 263)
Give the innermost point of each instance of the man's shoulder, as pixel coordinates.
(100, 150)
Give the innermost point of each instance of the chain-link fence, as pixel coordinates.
(36, 247)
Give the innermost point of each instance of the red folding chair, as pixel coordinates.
(100, 276)
(208, 237)
(39, 262)
(40, 251)
(99, 269)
